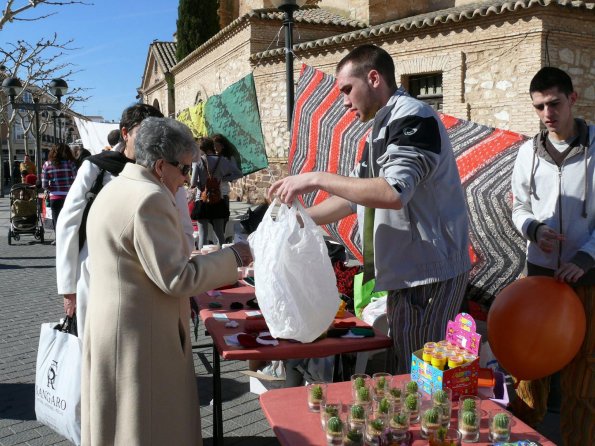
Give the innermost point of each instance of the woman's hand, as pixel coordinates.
(70, 304)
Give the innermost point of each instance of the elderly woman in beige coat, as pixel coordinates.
(138, 381)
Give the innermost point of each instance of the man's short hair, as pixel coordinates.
(370, 57)
(551, 77)
(135, 114)
(113, 137)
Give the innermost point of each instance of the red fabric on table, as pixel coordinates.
(285, 349)
(299, 426)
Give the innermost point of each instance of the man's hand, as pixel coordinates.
(546, 238)
(569, 272)
(70, 304)
(289, 188)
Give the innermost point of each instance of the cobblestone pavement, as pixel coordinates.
(28, 298)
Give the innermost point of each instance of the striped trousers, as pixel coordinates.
(420, 314)
(577, 382)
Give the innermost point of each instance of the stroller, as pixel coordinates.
(25, 213)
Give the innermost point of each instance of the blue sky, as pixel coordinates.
(111, 40)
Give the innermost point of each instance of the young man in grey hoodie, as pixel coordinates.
(554, 208)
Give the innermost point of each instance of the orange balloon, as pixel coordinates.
(536, 325)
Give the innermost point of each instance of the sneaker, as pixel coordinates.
(53, 243)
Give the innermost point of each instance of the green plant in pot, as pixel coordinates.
(411, 403)
(363, 395)
(500, 427)
(411, 387)
(330, 410)
(353, 437)
(315, 397)
(334, 431)
(469, 425)
(374, 431)
(431, 421)
(383, 406)
(357, 415)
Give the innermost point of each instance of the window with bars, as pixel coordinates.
(427, 88)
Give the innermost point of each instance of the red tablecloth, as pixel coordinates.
(294, 425)
(285, 349)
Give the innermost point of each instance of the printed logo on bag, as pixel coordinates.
(49, 396)
(52, 371)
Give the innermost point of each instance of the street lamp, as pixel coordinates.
(289, 7)
(12, 87)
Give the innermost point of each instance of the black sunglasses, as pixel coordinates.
(184, 168)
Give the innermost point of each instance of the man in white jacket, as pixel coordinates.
(72, 271)
(554, 209)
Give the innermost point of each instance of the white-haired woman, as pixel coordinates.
(138, 383)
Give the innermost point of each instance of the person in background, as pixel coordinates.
(222, 169)
(27, 167)
(138, 380)
(225, 148)
(113, 137)
(554, 209)
(409, 201)
(72, 271)
(80, 153)
(6, 172)
(16, 171)
(57, 176)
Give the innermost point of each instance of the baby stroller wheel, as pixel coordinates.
(9, 237)
(16, 236)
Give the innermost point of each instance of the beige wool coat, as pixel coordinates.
(138, 381)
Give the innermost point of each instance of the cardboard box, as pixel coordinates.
(462, 379)
(260, 383)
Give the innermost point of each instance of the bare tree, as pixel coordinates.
(35, 65)
(15, 8)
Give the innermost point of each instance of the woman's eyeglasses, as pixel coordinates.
(184, 168)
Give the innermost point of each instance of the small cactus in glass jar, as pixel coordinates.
(316, 393)
(432, 416)
(411, 402)
(384, 406)
(469, 405)
(363, 394)
(358, 412)
(331, 410)
(501, 421)
(441, 396)
(353, 437)
(469, 418)
(334, 425)
(411, 387)
(395, 392)
(359, 382)
(399, 420)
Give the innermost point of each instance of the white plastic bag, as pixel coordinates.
(58, 382)
(294, 280)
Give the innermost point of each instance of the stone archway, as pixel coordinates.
(156, 104)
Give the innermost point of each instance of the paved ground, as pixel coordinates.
(28, 298)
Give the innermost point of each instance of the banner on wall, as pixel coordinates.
(233, 113)
(327, 137)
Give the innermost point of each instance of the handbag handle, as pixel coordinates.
(68, 325)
